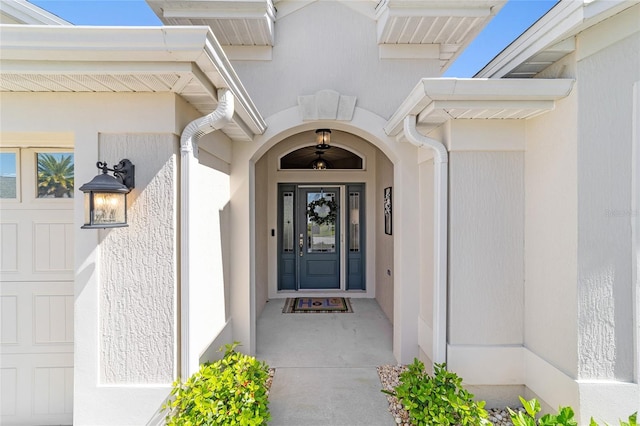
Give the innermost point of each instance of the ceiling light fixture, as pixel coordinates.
(323, 139)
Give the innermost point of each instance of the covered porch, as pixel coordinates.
(326, 364)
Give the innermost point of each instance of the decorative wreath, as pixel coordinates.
(323, 211)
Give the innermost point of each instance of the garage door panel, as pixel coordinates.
(9, 318)
(37, 317)
(53, 319)
(9, 390)
(37, 245)
(53, 390)
(53, 247)
(36, 295)
(9, 247)
(42, 388)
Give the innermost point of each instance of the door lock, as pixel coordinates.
(301, 244)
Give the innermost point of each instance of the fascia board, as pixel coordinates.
(416, 102)
(215, 64)
(213, 10)
(563, 21)
(433, 94)
(133, 49)
(29, 13)
(11, 66)
(556, 25)
(27, 42)
(434, 8)
(494, 89)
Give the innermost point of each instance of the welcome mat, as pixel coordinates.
(317, 305)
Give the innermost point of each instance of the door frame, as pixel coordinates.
(348, 259)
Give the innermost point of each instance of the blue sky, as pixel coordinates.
(514, 18)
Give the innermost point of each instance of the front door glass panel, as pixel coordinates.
(321, 222)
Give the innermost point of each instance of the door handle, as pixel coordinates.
(301, 244)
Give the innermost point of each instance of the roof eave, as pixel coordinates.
(30, 14)
(564, 20)
(74, 50)
(436, 97)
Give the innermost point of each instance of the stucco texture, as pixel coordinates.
(138, 267)
(605, 294)
(486, 248)
(327, 45)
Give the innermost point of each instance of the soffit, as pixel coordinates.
(131, 60)
(234, 22)
(436, 101)
(449, 25)
(551, 38)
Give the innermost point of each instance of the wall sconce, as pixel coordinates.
(105, 197)
(323, 139)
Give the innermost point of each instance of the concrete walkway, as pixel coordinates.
(326, 365)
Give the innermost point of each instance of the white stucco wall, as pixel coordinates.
(605, 123)
(426, 227)
(551, 236)
(384, 280)
(138, 267)
(486, 248)
(310, 54)
(262, 235)
(207, 287)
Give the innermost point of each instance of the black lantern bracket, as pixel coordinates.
(124, 172)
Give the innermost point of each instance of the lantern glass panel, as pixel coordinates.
(108, 208)
(87, 208)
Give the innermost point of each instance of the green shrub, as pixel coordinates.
(563, 418)
(528, 417)
(231, 391)
(633, 421)
(439, 399)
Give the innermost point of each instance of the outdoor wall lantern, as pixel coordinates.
(323, 139)
(105, 197)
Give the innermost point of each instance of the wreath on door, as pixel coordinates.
(323, 211)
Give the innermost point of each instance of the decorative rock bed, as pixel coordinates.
(390, 378)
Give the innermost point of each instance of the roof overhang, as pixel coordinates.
(436, 101)
(23, 12)
(446, 26)
(234, 22)
(551, 37)
(184, 60)
(406, 29)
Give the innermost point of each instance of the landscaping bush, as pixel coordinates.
(563, 418)
(231, 391)
(439, 399)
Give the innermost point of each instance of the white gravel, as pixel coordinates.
(390, 378)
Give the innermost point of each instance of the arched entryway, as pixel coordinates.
(304, 254)
(254, 276)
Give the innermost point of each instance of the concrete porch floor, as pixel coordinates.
(326, 365)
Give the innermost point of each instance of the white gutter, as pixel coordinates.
(441, 184)
(188, 162)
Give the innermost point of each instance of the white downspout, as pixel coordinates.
(441, 176)
(188, 163)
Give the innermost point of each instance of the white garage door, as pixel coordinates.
(36, 285)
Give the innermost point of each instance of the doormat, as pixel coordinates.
(317, 305)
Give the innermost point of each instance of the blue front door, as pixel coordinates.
(318, 238)
(311, 242)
